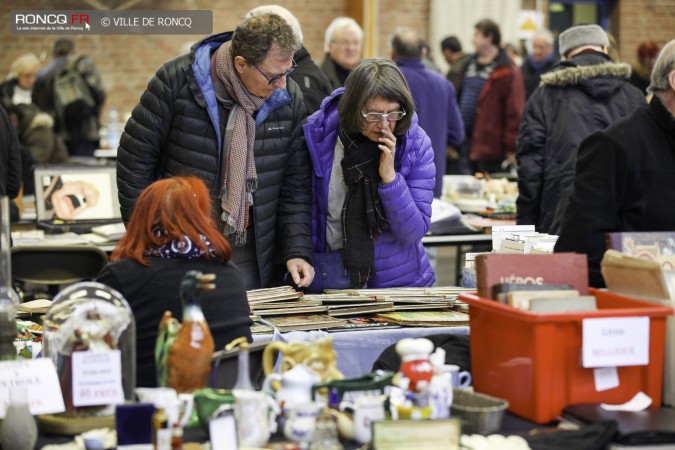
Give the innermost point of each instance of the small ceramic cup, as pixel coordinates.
(460, 378)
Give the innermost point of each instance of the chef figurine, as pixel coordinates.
(416, 366)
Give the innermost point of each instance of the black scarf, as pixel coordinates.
(362, 212)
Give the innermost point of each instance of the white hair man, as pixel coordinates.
(343, 44)
(541, 60)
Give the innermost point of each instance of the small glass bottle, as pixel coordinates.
(177, 437)
(161, 433)
(9, 299)
(326, 433)
(19, 431)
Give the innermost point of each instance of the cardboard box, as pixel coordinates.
(646, 279)
(533, 360)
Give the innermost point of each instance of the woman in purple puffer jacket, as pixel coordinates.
(373, 183)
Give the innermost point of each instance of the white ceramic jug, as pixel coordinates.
(367, 409)
(256, 415)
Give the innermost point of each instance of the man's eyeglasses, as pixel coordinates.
(376, 116)
(276, 78)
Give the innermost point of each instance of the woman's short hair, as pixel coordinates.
(178, 207)
(663, 67)
(253, 38)
(372, 78)
(337, 24)
(25, 63)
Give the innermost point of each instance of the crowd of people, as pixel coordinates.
(247, 158)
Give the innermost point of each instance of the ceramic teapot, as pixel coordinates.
(295, 385)
(317, 355)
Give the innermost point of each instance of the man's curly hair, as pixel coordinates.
(254, 37)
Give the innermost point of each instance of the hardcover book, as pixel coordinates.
(557, 268)
(326, 299)
(630, 275)
(420, 306)
(521, 299)
(563, 304)
(354, 323)
(283, 311)
(500, 290)
(656, 246)
(359, 309)
(305, 322)
(426, 318)
(272, 295)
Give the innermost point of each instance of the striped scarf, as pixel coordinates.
(238, 167)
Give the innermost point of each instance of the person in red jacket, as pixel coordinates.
(491, 100)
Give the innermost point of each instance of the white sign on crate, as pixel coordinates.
(615, 342)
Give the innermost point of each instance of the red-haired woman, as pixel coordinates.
(641, 67)
(170, 232)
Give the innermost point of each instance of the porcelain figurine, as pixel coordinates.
(184, 350)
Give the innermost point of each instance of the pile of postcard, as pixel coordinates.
(286, 309)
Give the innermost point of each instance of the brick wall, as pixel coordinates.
(643, 19)
(394, 14)
(127, 63)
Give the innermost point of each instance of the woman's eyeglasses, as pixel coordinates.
(276, 78)
(376, 116)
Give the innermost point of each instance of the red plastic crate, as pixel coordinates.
(533, 360)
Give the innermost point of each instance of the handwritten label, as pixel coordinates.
(615, 342)
(39, 377)
(97, 378)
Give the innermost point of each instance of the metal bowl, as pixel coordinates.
(480, 413)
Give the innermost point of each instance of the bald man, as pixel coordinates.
(434, 96)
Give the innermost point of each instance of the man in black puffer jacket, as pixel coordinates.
(226, 113)
(584, 93)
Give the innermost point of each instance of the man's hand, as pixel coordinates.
(301, 271)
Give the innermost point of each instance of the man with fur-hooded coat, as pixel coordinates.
(584, 93)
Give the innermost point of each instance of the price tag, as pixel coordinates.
(223, 432)
(97, 378)
(615, 342)
(39, 377)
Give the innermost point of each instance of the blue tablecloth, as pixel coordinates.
(357, 350)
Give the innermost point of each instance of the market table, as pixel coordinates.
(357, 350)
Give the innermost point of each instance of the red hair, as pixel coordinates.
(648, 50)
(178, 206)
